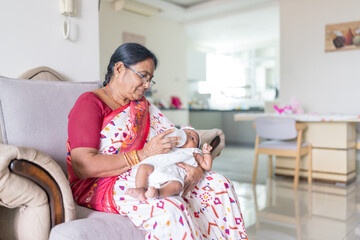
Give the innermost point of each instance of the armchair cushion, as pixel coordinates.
(96, 225)
(289, 145)
(34, 113)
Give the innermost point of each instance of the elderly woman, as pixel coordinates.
(112, 129)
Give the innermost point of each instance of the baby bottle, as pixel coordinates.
(179, 133)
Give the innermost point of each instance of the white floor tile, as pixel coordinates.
(273, 210)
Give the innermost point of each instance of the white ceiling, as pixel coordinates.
(237, 31)
(186, 3)
(224, 25)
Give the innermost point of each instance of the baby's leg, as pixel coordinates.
(172, 188)
(141, 182)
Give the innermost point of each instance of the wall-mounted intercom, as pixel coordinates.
(67, 9)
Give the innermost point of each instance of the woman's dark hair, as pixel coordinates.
(129, 54)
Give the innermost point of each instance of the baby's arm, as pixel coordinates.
(205, 161)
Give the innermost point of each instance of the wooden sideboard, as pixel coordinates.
(333, 139)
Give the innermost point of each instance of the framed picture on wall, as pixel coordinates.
(342, 36)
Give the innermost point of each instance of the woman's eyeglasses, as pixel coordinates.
(144, 78)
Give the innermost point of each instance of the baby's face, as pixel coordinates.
(192, 140)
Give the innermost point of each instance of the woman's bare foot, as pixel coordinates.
(138, 193)
(152, 192)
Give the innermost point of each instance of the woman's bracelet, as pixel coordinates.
(135, 157)
(126, 160)
(131, 158)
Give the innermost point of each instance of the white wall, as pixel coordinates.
(196, 72)
(165, 38)
(196, 65)
(323, 82)
(31, 36)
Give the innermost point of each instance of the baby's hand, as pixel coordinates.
(206, 148)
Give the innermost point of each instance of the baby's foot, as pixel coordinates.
(138, 193)
(152, 192)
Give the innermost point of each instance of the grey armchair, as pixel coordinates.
(35, 198)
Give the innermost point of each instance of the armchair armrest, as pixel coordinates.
(215, 137)
(42, 178)
(32, 181)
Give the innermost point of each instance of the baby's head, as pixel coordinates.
(193, 139)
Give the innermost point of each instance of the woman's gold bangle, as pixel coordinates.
(131, 162)
(135, 157)
(127, 161)
(131, 158)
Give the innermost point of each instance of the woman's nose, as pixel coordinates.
(146, 84)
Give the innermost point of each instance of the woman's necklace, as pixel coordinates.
(116, 102)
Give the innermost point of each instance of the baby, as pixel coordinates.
(159, 176)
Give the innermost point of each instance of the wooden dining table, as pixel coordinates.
(333, 138)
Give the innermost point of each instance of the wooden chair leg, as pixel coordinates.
(298, 157)
(297, 168)
(270, 166)
(255, 167)
(310, 164)
(256, 158)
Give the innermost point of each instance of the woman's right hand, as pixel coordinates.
(158, 145)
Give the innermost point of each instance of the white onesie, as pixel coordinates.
(165, 168)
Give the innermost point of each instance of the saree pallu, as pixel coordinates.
(210, 211)
(96, 193)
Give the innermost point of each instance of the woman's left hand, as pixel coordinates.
(193, 176)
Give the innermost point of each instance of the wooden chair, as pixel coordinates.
(278, 136)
